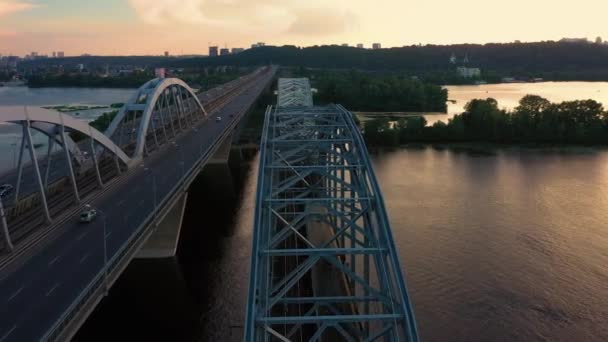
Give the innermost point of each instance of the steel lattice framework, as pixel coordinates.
(294, 92)
(324, 264)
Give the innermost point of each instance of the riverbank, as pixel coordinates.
(493, 148)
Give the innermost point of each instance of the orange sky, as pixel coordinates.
(153, 26)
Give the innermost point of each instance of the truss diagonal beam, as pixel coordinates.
(324, 264)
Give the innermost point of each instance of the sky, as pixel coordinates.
(128, 27)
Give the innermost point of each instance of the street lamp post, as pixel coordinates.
(7, 237)
(105, 250)
(153, 190)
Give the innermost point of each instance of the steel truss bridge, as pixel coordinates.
(324, 263)
(53, 270)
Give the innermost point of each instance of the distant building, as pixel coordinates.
(598, 40)
(160, 72)
(574, 40)
(468, 72)
(60, 54)
(80, 67)
(54, 54)
(360, 46)
(224, 51)
(213, 51)
(345, 45)
(258, 44)
(376, 46)
(166, 53)
(237, 50)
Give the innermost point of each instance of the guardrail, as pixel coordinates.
(93, 292)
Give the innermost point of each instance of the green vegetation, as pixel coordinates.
(101, 124)
(117, 105)
(67, 109)
(205, 80)
(361, 91)
(133, 80)
(548, 60)
(534, 121)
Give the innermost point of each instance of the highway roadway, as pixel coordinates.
(34, 296)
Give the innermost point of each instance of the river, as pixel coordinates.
(509, 94)
(510, 245)
(507, 245)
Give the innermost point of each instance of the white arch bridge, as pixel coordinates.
(60, 270)
(155, 115)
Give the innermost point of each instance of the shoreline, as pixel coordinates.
(492, 148)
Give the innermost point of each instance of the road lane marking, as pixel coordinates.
(81, 236)
(110, 233)
(54, 260)
(15, 294)
(8, 333)
(52, 289)
(84, 257)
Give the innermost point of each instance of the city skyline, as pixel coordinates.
(150, 27)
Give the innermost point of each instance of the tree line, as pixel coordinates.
(550, 60)
(536, 120)
(132, 80)
(361, 91)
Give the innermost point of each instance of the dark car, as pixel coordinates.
(6, 190)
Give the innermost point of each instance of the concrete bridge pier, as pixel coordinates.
(216, 178)
(163, 241)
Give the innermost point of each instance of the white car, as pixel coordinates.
(218, 119)
(88, 215)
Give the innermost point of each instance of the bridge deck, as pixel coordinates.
(48, 290)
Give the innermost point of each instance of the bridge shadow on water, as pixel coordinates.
(199, 295)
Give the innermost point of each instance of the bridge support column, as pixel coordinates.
(20, 167)
(163, 242)
(34, 160)
(7, 236)
(217, 174)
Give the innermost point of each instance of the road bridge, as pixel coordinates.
(324, 263)
(136, 176)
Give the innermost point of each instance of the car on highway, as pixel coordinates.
(218, 119)
(88, 215)
(6, 190)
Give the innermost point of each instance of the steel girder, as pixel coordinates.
(320, 216)
(155, 112)
(294, 92)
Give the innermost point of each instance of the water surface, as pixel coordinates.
(509, 94)
(507, 246)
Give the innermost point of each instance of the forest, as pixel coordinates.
(360, 91)
(535, 121)
(549, 60)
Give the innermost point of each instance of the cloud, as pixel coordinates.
(322, 22)
(12, 6)
(278, 16)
